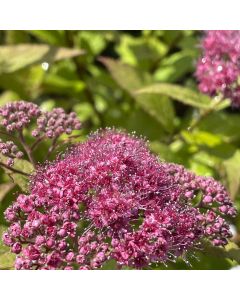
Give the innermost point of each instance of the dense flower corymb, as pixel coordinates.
(110, 198)
(219, 68)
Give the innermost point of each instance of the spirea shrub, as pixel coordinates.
(110, 198)
(218, 69)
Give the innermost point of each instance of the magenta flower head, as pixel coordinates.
(110, 198)
(219, 68)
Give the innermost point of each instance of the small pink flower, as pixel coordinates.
(16, 248)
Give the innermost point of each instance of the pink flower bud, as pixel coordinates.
(16, 248)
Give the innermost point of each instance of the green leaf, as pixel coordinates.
(233, 175)
(126, 76)
(25, 82)
(6, 257)
(57, 84)
(208, 258)
(225, 125)
(199, 137)
(147, 127)
(16, 57)
(130, 79)
(5, 188)
(162, 150)
(144, 52)
(8, 96)
(22, 165)
(175, 66)
(21, 180)
(231, 251)
(110, 265)
(182, 94)
(92, 41)
(53, 37)
(160, 108)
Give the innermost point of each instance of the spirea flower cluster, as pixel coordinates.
(53, 124)
(18, 115)
(219, 68)
(110, 198)
(10, 150)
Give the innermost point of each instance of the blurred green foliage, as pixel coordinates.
(140, 81)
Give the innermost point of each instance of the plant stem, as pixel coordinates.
(7, 134)
(13, 169)
(196, 121)
(203, 115)
(26, 148)
(34, 145)
(52, 147)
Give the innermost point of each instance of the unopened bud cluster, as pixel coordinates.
(10, 150)
(18, 115)
(53, 124)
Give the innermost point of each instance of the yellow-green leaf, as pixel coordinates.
(179, 93)
(5, 188)
(130, 79)
(232, 171)
(16, 57)
(23, 165)
(6, 257)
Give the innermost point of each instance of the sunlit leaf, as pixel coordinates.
(175, 66)
(231, 251)
(16, 57)
(126, 76)
(53, 37)
(223, 124)
(23, 165)
(144, 52)
(92, 41)
(25, 82)
(179, 93)
(60, 85)
(129, 78)
(5, 188)
(232, 166)
(198, 137)
(6, 257)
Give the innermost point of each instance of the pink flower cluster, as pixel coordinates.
(213, 198)
(110, 198)
(53, 124)
(10, 150)
(18, 115)
(219, 68)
